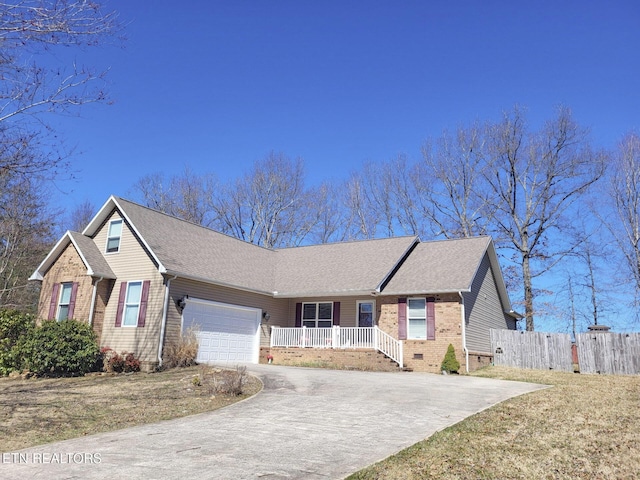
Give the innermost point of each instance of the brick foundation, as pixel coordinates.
(369, 360)
(479, 359)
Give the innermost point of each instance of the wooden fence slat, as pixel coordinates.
(609, 353)
(539, 350)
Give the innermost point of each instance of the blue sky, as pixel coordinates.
(217, 85)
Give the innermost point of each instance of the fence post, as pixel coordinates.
(335, 335)
(303, 342)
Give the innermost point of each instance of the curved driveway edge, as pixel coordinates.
(306, 423)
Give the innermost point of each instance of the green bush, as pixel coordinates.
(14, 326)
(67, 347)
(450, 364)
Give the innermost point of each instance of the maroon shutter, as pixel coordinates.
(336, 313)
(121, 299)
(298, 315)
(72, 300)
(142, 313)
(431, 319)
(54, 301)
(402, 319)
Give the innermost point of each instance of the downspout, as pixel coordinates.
(165, 310)
(94, 294)
(464, 333)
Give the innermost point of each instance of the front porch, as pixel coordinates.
(338, 338)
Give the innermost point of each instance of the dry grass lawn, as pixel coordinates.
(585, 427)
(37, 411)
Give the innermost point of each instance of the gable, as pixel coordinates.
(347, 268)
(439, 267)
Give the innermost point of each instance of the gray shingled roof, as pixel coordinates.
(348, 268)
(91, 254)
(439, 266)
(338, 268)
(196, 252)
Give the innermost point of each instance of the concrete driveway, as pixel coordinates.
(306, 423)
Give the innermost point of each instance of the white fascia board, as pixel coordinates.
(318, 294)
(425, 292)
(101, 217)
(53, 254)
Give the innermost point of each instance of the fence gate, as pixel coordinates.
(542, 351)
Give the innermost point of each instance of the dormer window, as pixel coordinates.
(113, 236)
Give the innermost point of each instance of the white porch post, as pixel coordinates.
(303, 343)
(335, 336)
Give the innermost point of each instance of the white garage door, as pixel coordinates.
(227, 333)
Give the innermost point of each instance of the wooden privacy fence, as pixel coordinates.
(610, 353)
(542, 351)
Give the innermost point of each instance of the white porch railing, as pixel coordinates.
(338, 337)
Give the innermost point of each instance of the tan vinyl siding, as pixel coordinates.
(277, 308)
(132, 263)
(483, 309)
(348, 308)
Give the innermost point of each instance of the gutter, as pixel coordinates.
(464, 333)
(165, 310)
(93, 299)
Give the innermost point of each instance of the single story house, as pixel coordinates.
(141, 277)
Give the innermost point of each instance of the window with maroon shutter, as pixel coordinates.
(336, 313)
(121, 299)
(132, 304)
(402, 319)
(72, 299)
(142, 314)
(298, 315)
(53, 304)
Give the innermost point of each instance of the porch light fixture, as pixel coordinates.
(182, 302)
(266, 316)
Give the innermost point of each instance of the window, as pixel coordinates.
(317, 315)
(113, 236)
(365, 314)
(132, 304)
(65, 301)
(417, 318)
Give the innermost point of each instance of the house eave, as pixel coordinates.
(209, 281)
(425, 292)
(326, 293)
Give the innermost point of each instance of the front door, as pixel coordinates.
(365, 314)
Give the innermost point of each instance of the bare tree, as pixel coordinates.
(329, 219)
(26, 234)
(30, 88)
(81, 215)
(450, 182)
(187, 195)
(533, 179)
(625, 192)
